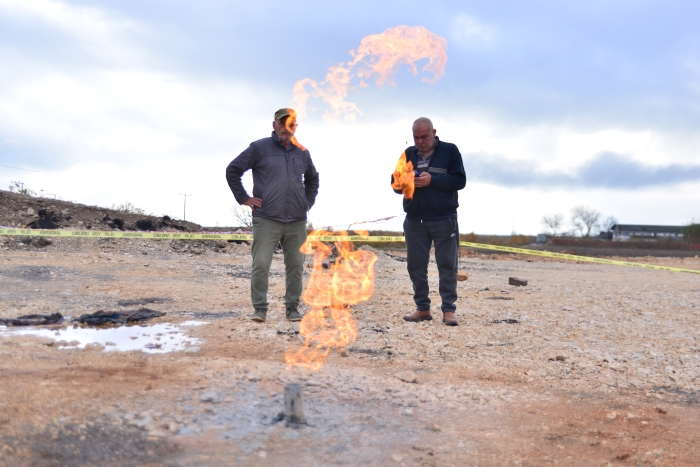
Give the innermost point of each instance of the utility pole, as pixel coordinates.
(184, 209)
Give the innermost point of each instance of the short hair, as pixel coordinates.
(422, 120)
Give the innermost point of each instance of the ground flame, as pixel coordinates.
(403, 177)
(378, 57)
(329, 293)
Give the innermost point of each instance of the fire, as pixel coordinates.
(378, 57)
(330, 293)
(403, 177)
(290, 123)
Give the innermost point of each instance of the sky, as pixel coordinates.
(552, 105)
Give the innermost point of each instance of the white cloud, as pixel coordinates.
(468, 31)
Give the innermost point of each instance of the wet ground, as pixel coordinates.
(489, 392)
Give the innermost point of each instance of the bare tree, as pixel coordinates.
(585, 220)
(608, 223)
(553, 222)
(243, 216)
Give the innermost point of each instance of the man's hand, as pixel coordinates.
(253, 203)
(423, 180)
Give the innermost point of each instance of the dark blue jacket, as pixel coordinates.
(439, 199)
(285, 179)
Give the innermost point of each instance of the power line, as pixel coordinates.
(54, 173)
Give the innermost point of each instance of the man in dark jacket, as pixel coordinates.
(285, 185)
(431, 218)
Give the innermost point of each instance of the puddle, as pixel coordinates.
(157, 338)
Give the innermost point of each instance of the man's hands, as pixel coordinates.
(423, 180)
(253, 203)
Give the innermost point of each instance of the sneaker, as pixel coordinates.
(293, 314)
(260, 316)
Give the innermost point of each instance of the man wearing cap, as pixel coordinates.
(431, 218)
(285, 185)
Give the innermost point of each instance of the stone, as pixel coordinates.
(396, 457)
(294, 403)
(542, 372)
(611, 416)
(516, 281)
(209, 396)
(30, 212)
(407, 376)
(344, 353)
(432, 426)
(191, 350)
(462, 276)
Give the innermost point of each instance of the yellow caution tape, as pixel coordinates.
(549, 254)
(323, 238)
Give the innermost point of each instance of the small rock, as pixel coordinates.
(191, 350)
(611, 416)
(396, 457)
(560, 358)
(30, 212)
(542, 372)
(344, 353)
(661, 411)
(421, 358)
(262, 454)
(432, 426)
(516, 281)
(209, 396)
(407, 376)
(462, 276)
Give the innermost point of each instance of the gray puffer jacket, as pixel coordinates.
(285, 179)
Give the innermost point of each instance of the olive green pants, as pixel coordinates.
(267, 234)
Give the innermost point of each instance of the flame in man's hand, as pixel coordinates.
(378, 57)
(329, 293)
(404, 177)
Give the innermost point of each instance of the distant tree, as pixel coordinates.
(691, 233)
(608, 223)
(243, 216)
(585, 220)
(553, 222)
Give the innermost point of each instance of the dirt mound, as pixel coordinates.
(17, 210)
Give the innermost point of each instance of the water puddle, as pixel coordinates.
(156, 338)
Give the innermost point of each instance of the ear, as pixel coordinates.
(434, 132)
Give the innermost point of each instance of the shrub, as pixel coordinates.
(691, 233)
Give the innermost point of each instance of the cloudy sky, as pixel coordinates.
(552, 104)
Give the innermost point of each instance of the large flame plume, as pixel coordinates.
(404, 177)
(378, 57)
(330, 293)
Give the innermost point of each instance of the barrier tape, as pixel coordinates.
(549, 254)
(324, 238)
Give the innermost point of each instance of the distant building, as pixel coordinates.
(624, 232)
(542, 238)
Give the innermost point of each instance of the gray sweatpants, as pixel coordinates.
(420, 235)
(267, 234)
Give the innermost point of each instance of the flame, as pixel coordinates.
(329, 293)
(292, 120)
(378, 57)
(403, 177)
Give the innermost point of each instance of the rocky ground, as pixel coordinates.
(588, 365)
(17, 210)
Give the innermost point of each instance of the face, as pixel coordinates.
(424, 137)
(285, 128)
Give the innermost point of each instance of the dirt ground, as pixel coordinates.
(588, 365)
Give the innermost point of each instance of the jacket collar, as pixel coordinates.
(415, 149)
